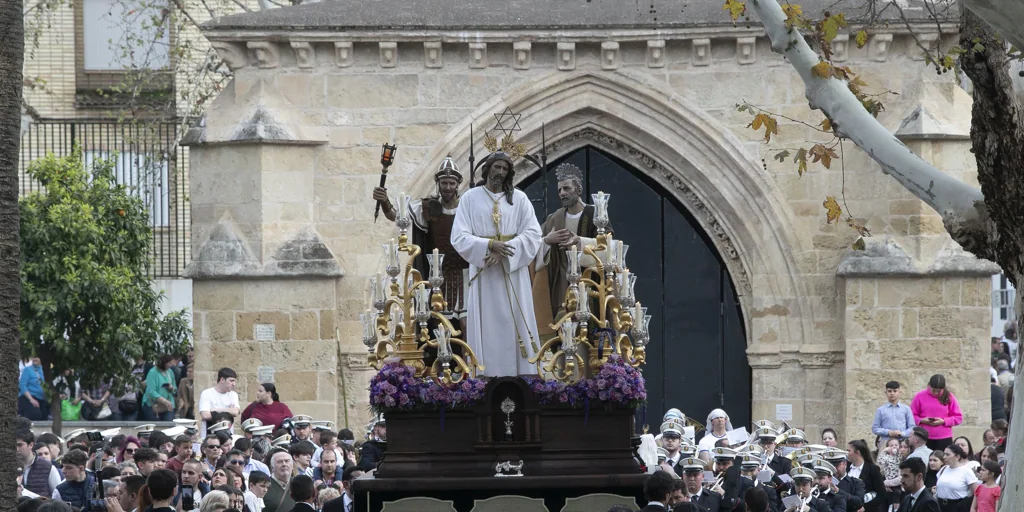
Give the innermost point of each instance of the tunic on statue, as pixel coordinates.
(552, 264)
(501, 327)
(433, 231)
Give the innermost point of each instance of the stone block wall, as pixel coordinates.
(671, 113)
(304, 355)
(909, 328)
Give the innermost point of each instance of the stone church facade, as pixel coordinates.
(283, 165)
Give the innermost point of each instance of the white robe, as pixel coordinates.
(499, 301)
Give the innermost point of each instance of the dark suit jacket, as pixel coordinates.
(774, 504)
(925, 503)
(871, 475)
(303, 507)
(836, 502)
(709, 501)
(653, 508)
(372, 453)
(335, 505)
(853, 491)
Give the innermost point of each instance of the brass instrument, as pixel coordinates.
(813, 495)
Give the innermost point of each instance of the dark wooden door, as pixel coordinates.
(696, 360)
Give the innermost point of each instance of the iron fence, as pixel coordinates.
(146, 159)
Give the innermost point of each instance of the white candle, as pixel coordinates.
(584, 298)
(574, 260)
(620, 254)
(435, 266)
(382, 293)
(638, 314)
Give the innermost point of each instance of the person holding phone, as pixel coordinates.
(937, 411)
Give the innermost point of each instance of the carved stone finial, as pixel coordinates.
(702, 52)
(566, 56)
(656, 53)
(522, 55)
(343, 54)
(266, 53)
(432, 54)
(305, 56)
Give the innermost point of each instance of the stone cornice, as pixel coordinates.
(268, 48)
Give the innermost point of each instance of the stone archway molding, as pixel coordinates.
(690, 154)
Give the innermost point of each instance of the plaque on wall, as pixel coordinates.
(265, 374)
(264, 332)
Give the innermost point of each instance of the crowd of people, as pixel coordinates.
(277, 463)
(156, 391)
(914, 463)
(281, 462)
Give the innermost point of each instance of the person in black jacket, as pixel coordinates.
(803, 485)
(750, 466)
(706, 499)
(372, 451)
(767, 438)
(851, 489)
(827, 491)
(657, 490)
(862, 465)
(918, 498)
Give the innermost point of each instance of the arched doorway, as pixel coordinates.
(696, 360)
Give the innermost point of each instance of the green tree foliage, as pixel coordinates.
(86, 302)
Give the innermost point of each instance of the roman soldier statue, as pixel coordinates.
(432, 219)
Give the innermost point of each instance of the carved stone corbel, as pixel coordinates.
(305, 56)
(565, 54)
(656, 53)
(610, 56)
(522, 55)
(388, 54)
(702, 52)
(840, 47)
(432, 54)
(343, 54)
(746, 50)
(234, 54)
(478, 55)
(266, 54)
(878, 47)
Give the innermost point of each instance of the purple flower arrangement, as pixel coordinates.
(396, 387)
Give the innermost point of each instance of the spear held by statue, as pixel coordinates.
(387, 157)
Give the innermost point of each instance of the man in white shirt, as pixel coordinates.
(919, 441)
(718, 425)
(221, 398)
(259, 484)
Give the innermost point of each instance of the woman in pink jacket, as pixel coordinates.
(935, 409)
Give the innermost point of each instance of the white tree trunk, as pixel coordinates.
(951, 198)
(1006, 16)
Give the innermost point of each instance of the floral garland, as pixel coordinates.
(396, 388)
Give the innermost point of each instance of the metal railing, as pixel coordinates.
(146, 158)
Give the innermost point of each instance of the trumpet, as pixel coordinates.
(813, 495)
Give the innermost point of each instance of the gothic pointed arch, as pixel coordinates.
(687, 152)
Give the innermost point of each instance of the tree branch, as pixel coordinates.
(959, 204)
(997, 135)
(1004, 15)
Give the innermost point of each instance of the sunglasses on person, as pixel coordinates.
(236, 462)
(129, 450)
(213, 447)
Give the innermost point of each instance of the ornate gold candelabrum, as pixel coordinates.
(600, 295)
(402, 303)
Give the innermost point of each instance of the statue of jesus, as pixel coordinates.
(497, 232)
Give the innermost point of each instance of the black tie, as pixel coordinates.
(694, 498)
(910, 506)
